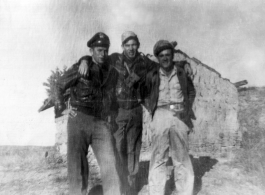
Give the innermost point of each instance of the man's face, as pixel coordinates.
(130, 48)
(99, 54)
(165, 58)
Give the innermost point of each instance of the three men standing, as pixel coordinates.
(130, 79)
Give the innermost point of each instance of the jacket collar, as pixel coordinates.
(173, 73)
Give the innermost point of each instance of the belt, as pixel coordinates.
(88, 111)
(176, 107)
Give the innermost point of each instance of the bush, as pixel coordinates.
(51, 91)
(52, 80)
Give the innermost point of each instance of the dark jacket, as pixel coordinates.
(153, 82)
(130, 83)
(92, 93)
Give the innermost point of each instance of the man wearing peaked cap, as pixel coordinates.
(90, 99)
(170, 104)
(99, 39)
(131, 67)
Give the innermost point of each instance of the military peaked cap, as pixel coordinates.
(100, 39)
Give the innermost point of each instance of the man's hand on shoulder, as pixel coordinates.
(186, 67)
(83, 68)
(188, 70)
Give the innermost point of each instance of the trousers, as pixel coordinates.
(170, 138)
(84, 131)
(128, 142)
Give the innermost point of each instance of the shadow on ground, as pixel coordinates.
(96, 190)
(201, 165)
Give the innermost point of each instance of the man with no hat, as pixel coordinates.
(131, 67)
(171, 96)
(90, 99)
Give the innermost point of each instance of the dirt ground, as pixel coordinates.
(219, 177)
(212, 178)
(41, 171)
(26, 170)
(34, 181)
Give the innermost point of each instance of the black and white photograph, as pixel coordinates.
(132, 97)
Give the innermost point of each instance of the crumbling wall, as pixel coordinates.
(61, 134)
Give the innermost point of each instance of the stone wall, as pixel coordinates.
(61, 134)
(216, 128)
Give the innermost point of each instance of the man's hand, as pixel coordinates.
(188, 71)
(83, 68)
(187, 118)
(71, 112)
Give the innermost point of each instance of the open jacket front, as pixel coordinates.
(152, 87)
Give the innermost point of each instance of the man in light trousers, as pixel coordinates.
(171, 96)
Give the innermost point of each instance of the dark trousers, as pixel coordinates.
(85, 130)
(128, 142)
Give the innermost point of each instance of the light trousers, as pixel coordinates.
(170, 138)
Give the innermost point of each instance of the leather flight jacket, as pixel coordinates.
(87, 93)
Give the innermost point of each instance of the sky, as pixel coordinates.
(38, 36)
